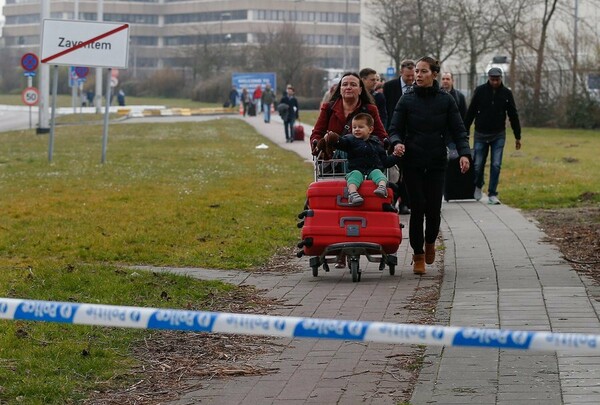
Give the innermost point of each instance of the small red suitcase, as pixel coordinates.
(333, 195)
(326, 227)
(298, 132)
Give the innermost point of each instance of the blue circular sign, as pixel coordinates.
(29, 61)
(391, 71)
(82, 71)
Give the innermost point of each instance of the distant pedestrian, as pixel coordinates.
(267, 99)
(233, 96)
(490, 105)
(256, 97)
(245, 99)
(292, 112)
(121, 97)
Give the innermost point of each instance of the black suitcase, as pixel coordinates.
(252, 110)
(459, 186)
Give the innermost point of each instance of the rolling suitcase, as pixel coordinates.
(252, 110)
(323, 228)
(459, 186)
(333, 195)
(298, 133)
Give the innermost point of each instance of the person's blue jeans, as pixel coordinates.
(289, 129)
(267, 112)
(482, 148)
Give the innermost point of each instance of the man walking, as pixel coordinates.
(490, 105)
(448, 86)
(393, 90)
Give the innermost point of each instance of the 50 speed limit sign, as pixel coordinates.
(30, 96)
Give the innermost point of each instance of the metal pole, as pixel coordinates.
(575, 46)
(44, 80)
(71, 80)
(53, 118)
(98, 100)
(106, 113)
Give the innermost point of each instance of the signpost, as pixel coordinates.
(77, 43)
(31, 95)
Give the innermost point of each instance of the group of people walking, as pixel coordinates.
(420, 119)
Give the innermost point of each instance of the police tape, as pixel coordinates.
(291, 327)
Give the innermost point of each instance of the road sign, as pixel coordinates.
(391, 71)
(114, 82)
(85, 43)
(30, 96)
(29, 74)
(29, 62)
(82, 71)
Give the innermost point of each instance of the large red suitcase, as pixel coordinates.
(326, 227)
(333, 195)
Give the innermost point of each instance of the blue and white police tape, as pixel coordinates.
(291, 327)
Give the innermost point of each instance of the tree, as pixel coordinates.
(478, 19)
(538, 46)
(406, 29)
(512, 17)
(283, 51)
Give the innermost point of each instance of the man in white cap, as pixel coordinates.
(490, 105)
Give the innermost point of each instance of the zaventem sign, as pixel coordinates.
(85, 43)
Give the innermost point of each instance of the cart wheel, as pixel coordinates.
(392, 269)
(315, 270)
(354, 270)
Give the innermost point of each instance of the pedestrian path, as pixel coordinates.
(498, 273)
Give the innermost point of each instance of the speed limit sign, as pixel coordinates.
(30, 96)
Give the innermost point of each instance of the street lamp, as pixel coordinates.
(221, 17)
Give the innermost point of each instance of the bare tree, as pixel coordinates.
(538, 46)
(283, 51)
(512, 18)
(478, 18)
(406, 29)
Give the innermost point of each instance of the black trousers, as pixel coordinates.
(425, 189)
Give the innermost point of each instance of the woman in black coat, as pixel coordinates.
(425, 120)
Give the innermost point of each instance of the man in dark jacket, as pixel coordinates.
(448, 85)
(292, 112)
(393, 90)
(490, 105)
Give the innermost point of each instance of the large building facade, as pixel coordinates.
(160, 29)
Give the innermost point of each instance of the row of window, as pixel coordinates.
(310, 16)
(212, 16)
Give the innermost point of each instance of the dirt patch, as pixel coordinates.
(172, 362)
(576, 232)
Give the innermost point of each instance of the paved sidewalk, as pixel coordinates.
(498, 273)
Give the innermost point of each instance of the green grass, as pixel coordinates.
(194, 194)
(556, 168)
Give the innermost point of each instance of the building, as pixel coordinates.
(162, 29)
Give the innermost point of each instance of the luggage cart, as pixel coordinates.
(340, 229)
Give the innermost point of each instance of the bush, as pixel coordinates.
(163, 83)
(215, 90)
(581, 112)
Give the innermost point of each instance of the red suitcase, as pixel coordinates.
(298, 132)
(326, 227)
(333, 195)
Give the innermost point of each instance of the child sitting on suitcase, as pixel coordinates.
(366, 156)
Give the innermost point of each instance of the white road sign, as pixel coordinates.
(85, 43)
(30, 96)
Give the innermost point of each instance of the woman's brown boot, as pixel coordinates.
(429, 253)
(419, 263)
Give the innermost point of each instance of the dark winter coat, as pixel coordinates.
(489, 108)
(365, 155)
(426, 120)
(293, 112)
(461, 102)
